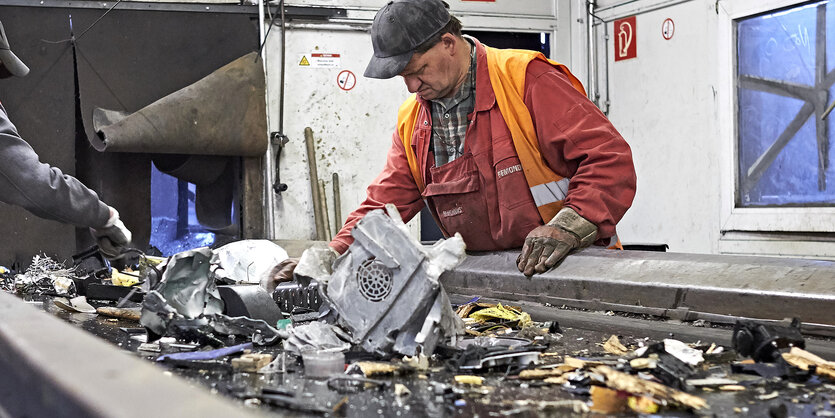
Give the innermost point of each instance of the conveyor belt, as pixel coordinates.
(716, 288)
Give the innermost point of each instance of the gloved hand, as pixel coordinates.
(317, 262)
(547, 245)
(283, 272)
(113, 237)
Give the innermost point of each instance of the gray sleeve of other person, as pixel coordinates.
(41, 189)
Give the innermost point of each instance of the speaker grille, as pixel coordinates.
(374, 280)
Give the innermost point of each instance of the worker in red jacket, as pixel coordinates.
(44, 190)
(501, 145)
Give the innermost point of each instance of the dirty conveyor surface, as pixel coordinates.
(434, 392)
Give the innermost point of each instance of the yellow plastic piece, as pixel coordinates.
(642, 405)
(121, 279)
(502, 312)
(465, 379)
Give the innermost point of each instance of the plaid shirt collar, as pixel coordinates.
(449, 116)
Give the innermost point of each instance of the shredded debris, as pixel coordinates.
(613, 346)
(805, 360)
(628, 383)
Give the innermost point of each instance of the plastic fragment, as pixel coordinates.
(207, 355)
(251, 362)
(469, 380)
(401, 390)
(804, 360)
(607, 401)
(614, 346)
(642, 404)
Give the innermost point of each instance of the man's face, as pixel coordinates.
(433, 74)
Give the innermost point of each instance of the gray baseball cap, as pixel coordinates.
(13, 64)
(400, 27)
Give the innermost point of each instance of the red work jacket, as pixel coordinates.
(483, 195)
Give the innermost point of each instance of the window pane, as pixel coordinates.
(784, 84)
(174, 226)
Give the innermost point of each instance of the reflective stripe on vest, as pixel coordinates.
(554, 191)
(507, 69)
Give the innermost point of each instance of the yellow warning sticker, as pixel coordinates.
(304, 62)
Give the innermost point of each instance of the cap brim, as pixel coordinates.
(13, 63)
(387, 67)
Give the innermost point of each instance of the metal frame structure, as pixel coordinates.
(815, 100)
(763, 220)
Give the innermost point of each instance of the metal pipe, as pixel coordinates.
(269, 162)
(592, 53)
(323, 197)
(638, 11)
(278, 141)
(261, 21)
(314, 183)
(283, 62)
(337, 206)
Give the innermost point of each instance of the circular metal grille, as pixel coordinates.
(374, 280)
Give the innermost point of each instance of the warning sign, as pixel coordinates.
(625, 38)
(668, 29)
(320, 60)
(346, 80)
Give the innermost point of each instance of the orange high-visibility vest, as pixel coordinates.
(507, 69)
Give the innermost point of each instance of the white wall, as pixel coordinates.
(663, 103)
(352, 128)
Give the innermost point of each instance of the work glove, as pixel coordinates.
(113, 237)
(316, 263)
(283, 272)
(547, 245)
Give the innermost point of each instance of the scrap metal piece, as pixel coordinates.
(222, 114)
(98, 291)
(46, 275)
(385, 288)
(260, 332)
(77, 304)
(185, 291)
(292, 295)
(316, 335)
(187, 285)
(90, 266)
(248, 261)
(251, 301)
(157, 315)
(764, 342)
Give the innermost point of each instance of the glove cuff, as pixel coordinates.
(114, 217)
(572, 222)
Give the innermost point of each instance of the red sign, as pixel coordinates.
(346, 80)
(626, 38)
(668, 29)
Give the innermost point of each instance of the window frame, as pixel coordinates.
(762, 219)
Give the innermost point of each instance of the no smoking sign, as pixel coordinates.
(346, 80)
